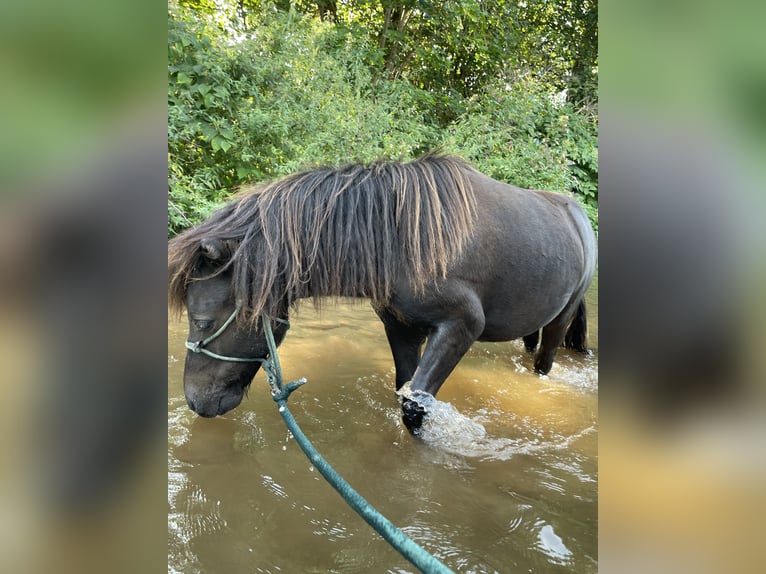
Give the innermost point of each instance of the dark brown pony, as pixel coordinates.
(447, 256)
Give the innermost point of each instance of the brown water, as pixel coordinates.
(504, 478)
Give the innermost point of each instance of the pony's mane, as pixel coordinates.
(350, 231)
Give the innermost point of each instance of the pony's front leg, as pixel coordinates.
(447, 343)
(405, 342)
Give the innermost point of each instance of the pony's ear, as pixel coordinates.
(215, 250)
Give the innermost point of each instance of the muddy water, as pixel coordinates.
(504, 478)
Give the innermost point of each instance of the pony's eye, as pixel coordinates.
(203, 325)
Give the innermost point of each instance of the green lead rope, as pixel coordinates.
(424, 561)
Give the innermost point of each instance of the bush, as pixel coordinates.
(522, 134)
(297, 92)
(267, 106)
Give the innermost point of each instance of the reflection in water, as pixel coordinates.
(552, 545)
(503, 478)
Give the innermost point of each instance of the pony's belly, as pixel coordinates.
(509, 327)
(497, 338)
(505, 333)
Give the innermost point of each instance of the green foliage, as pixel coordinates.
(299, 92)
(559, 43)
(522, 134)
(295, 90)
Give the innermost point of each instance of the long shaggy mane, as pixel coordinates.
(349, 231)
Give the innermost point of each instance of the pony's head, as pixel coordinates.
(225, 349)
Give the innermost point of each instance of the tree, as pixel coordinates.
(559, 42)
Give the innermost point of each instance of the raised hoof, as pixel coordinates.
(412, 415)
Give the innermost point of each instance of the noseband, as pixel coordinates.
(199, 346)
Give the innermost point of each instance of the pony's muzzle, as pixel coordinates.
(202, 409)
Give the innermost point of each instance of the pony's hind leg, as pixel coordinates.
(576, 337)
(531, 340)
(553, 336)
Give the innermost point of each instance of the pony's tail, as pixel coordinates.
(577, 334)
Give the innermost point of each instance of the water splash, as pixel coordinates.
(579, 373)
(447, 429)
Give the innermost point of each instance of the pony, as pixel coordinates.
(446, 255)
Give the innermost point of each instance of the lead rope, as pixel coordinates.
(424, 561)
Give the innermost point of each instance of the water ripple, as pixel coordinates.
(273, 486)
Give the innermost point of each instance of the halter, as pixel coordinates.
(199, 346)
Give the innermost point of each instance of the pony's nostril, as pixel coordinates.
(191, 404)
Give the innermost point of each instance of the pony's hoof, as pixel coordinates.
(412, 415)
(575, 344)
(543, 367)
